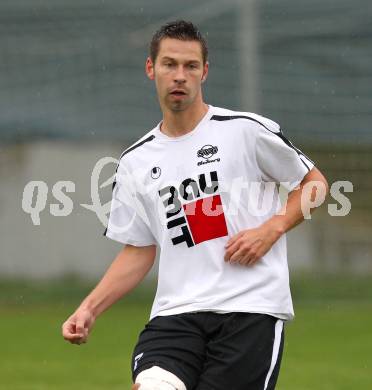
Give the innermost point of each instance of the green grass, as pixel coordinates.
(36, 357)
(327, 347)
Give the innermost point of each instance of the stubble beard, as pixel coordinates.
(178, 106)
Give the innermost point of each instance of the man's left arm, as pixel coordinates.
(248, 246)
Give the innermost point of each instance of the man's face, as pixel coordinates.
(178, 73)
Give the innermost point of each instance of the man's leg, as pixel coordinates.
(156, 378)
(243, 353)
(175, 345)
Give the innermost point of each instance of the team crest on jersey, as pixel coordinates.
(200, 218)
(207, 152)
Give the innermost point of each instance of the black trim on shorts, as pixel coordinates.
(275, 374)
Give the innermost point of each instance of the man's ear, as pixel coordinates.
(149, 68)
(205, 71)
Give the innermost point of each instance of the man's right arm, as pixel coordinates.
(125, 273)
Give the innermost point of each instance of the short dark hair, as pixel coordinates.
(179, 29)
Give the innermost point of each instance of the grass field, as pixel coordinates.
(327, 347)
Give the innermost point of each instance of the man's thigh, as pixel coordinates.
(244, 353)
(175, 343)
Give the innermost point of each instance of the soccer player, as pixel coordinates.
(202, 186)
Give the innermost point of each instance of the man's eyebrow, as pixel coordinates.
(173, 59)
(167, 59)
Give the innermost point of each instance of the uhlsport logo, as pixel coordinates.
(194, 210)
(207, 152)
(137, 358)
(155, 172)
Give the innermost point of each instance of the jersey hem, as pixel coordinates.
(294, 185)
(272, 311)
(126, 240)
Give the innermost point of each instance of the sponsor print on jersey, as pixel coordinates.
(201, 218)
(207, 152)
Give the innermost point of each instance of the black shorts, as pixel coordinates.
(210, 351)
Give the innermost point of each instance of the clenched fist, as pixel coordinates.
(77, 327)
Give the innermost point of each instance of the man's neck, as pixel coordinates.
(176, 124)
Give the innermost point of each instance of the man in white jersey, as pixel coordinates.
(202, 186)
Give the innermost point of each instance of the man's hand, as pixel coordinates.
(77, 327)
(126, 271)
(248, 246)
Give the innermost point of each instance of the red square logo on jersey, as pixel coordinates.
(206, 219)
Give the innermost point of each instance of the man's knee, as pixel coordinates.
(156, 378)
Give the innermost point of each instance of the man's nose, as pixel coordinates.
(179, 76)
